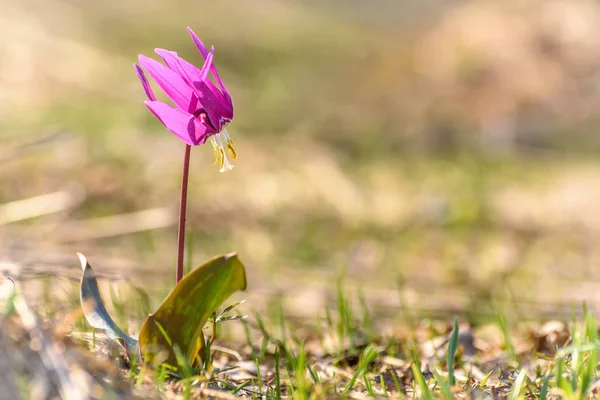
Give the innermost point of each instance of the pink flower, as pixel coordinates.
(202, 109)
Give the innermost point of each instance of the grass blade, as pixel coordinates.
(445, 386)
(419, 378)
(544, 389)
(518, 385)
(452, 347)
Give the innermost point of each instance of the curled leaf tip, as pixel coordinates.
(82, 260)
(95, 311)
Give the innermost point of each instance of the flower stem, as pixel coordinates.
(182, 212)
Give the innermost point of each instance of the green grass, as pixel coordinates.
(349, 357)
(342, 352)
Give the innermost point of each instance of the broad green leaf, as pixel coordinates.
(95, 311)
(180, 318)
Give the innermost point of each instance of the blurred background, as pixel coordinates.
(442, 155)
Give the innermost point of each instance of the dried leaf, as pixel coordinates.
(95, 311)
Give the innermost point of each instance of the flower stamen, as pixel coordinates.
(220, 153)
(231, 149)
(226, 165)
(221, 158)
(215, 150)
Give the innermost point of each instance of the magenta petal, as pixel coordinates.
(221, 84)
(171, 83)
(186, 70)
(217, 111)
(208, 64)
(199, 45)
(213, 70)
(145, 83)
(204, 53)
(185, 126)
(189, 72)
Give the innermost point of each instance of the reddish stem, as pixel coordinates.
(182, 212)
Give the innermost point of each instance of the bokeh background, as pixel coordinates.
(441, 155)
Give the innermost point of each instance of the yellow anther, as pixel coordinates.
(230, 148)
(222, 158)
(216, 151)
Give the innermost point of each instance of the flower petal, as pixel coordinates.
(204, 53)
(218, 111)
(190, 73)
(175, 63)
(208, 64)
(185, 126)
(172, 84)
(147, 88)
(208, 95)
(199, 45)
(216, 106)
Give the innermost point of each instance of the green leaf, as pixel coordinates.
(515, 393)
(95, 311)
(419, 378)
(483, 383)
(452, 347)
(182, 315)
(544, 389)
(444, 384)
